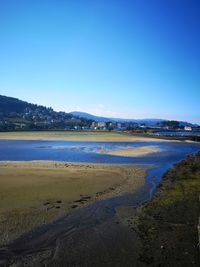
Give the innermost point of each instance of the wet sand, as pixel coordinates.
(131, 152)
(38, 192)
(162, 232)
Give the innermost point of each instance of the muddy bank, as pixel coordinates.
(167, 226)
(38, 192)
(91, 236)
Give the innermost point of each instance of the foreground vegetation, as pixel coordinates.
(34, 193)
(168, 225)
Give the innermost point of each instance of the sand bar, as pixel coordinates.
(131, 152)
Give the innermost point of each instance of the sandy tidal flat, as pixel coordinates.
(131, 152)
(35, 193)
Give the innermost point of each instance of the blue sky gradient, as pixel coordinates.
(134, 59)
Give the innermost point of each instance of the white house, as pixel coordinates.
(101, 124)
(188, 128)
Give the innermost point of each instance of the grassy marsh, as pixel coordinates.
(168, 225)
(99, 136)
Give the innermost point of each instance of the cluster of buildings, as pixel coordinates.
(136, 127)
(48, 116)
(187, 128)
(116, 126)
(39, 118)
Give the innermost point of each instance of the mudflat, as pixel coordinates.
(37, 192)
(130, 152)
(75, 136)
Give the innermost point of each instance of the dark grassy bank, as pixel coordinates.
(168, 225)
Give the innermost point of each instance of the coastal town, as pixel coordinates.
(17, 115)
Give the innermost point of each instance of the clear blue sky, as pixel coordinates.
(123, 58)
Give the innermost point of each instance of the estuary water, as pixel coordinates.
(82, 151)
(59, 242)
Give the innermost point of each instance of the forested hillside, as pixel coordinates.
(16, 114)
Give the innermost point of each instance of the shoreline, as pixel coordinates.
(168, 224)
(79, 136)
(93, 136)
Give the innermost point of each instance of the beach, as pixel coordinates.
(38, 192)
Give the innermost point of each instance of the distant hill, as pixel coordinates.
(150, 122)
(90, 116)
(11, 104)
(147, 122)
(16, 114)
